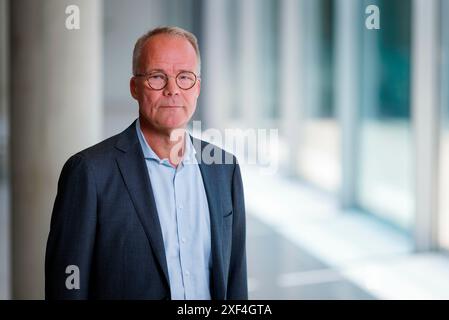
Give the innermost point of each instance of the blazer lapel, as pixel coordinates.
(135, 174)
(209, 175)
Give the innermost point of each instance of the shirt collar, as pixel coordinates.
(148, 153)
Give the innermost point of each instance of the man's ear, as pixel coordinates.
(133, 87)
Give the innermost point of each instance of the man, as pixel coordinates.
(139, 215)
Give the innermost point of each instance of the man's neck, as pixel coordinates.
(167, 145)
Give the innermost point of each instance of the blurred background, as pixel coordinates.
(357, 207)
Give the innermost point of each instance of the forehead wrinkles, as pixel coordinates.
(168, 52)
(168, 67)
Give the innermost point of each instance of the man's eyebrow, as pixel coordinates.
(184, 70)
(155, 70)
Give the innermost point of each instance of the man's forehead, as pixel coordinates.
(162, 45)
(169, 52)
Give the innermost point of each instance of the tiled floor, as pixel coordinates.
(302, 245)
(279, 269)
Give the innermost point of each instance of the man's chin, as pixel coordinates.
(172, 128)
(166, 125)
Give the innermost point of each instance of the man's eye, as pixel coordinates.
(185, 77)
(157, 77)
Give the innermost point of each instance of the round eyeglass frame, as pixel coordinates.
(167, 77)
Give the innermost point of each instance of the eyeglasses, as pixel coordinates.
(158, 80)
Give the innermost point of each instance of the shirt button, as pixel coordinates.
(180, 207)
(183, 240)
(187, 273)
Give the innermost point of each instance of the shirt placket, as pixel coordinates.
(180, 208)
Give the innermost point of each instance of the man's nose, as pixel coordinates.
(171, 88)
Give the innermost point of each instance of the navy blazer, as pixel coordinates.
(105, 222)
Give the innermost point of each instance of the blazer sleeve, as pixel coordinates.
(72, 233)
(237, 280)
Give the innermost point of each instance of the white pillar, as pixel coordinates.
(55, 111)
(347, 26)
(248, 63)
(313, 56)
(216, 88)
(425, 106)
(443, 207)
(291, 62)
(371, 66)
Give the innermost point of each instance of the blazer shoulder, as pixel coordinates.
(213, 154)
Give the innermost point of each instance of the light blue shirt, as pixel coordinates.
(185, 222)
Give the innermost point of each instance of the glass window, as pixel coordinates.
(268, 25)
(234, 85)
(319, 154)
(385, 178)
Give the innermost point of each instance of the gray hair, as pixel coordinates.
(175, 31)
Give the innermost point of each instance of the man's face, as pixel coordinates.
(171, 107)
